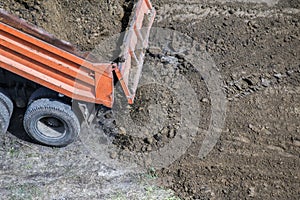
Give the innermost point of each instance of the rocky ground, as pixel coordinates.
(255, 47)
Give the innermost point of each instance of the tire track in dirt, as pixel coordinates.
(252, 154)
(193, 12)
(253, 46)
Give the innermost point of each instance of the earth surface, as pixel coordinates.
(254, 46)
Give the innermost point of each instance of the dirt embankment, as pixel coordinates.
(82, 23)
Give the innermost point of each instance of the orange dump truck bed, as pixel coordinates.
(38, 56)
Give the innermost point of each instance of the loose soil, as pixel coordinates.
(82, 23)
(256, 50)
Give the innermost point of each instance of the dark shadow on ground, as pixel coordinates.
(16, 126)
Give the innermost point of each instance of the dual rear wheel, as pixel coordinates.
(6, 110)
(47, 120)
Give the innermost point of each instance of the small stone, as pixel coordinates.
(286, 39)
(144, 149)
(241, 85)
(169, 59)
(186, 189)
(146, 133)
(164, 131)
(251, 192)
(255, 26)
(171, 133)
(266, 131)
(278, 76)
(205, 100)
(219, 41)
(231, 11)
(254, 128)
(265, 82)
(289, 72)
(149, 148)
(113, 155)
(122, 131)
(149, 140)
(296, 143)
(158, 137)
(155, 50)
(221, 149)
(37, 7)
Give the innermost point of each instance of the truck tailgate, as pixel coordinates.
(133, 49)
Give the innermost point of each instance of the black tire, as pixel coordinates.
(6, 101)
(6, 110)
(4, 118)
(42, 93)
(51, 122)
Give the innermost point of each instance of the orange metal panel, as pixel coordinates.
(44, 59)
(37, 76)
(52, 73)
(50, 48)
(104, 88)
(52, 83)
(46, 65)
(69, 73)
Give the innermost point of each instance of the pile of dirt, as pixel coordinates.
(82, 23)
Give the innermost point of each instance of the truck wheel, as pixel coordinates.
(6, 101)
(6, 110)
(4, 118)
(51, 122)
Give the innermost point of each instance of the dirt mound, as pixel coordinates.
(83, 23)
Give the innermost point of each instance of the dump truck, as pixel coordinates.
(46, 76)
